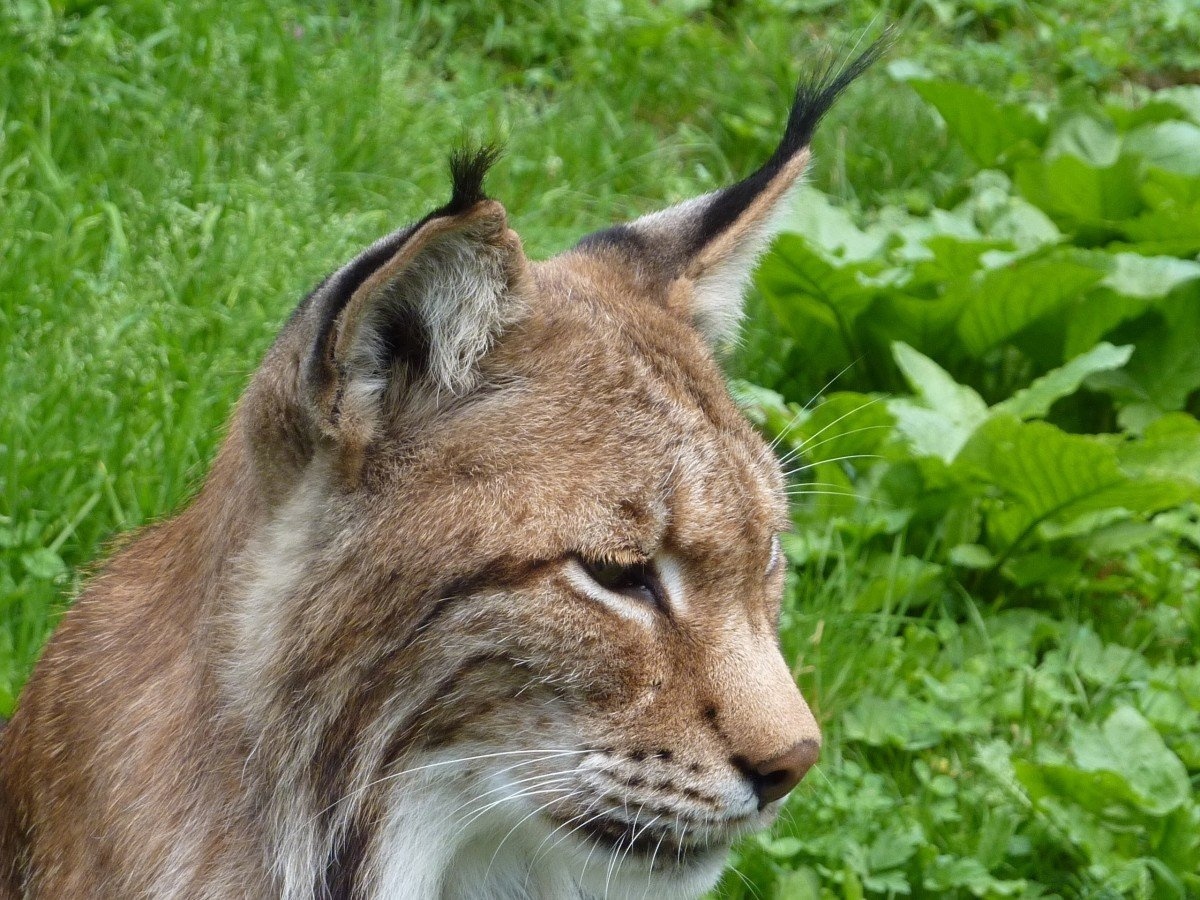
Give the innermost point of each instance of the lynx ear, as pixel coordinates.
(416, 311)
(700, 254)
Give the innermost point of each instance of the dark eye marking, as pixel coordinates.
(639, 581)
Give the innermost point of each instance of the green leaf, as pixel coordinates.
(1129, 747)
(1044, 475)
(988, 130)
(948, 872)
(1080, 195)
(815, 301)
(894, 847)
(1169, 448)
(1085, 137)
(829, 228)
(1035, 401)
(1174, 146)
(43, 563)
(783, 847)
(1004, 301)
(944, 414)
(1146, 277)
(1166, 365)
(971, 556)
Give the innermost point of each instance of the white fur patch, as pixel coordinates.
(628, 607)
(456, 292)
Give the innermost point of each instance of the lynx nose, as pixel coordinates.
(773, 778)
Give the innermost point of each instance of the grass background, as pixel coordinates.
(174, 178)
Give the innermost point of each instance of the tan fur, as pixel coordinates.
(371, 622)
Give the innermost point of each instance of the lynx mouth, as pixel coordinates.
(662, 848)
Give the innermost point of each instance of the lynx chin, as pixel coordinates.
(478, 600)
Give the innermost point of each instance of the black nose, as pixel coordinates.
(773, 778)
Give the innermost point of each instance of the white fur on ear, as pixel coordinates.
(715, 278)
(419, 311)
(719, 288)
(450, 300)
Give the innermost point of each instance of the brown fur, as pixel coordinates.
(377, 577)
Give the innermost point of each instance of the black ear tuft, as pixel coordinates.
(468, 167)
(814, 97)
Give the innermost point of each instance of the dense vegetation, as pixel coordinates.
(979, 349)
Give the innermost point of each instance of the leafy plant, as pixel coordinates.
(1012, 464)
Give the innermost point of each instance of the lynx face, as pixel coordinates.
(479, 600)
(592, 540)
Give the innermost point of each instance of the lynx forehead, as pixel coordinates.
(478, 600)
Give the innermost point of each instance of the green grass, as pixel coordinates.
(174, 178)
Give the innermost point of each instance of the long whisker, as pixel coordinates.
(790, 473)
(543, 788)
(653, 858)
(616, 855)
(810, 447)
(815, 484)
(813, 399)
(633, 840)
(537, 854)
(521, 822)
(547, 754)
(543, 776)
(679, 847)
(808, 443)
(821, 494)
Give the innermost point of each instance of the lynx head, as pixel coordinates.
(511, 625)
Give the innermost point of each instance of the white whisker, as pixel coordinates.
(790, 473)
(808, 443)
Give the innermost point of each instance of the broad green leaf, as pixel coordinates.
(1130, 283)
(1129, 747)
(815, 301)
(1096, 791)
(1002, 302)
(1080, 195)
(926, 322)
(988, 130)
(43, 563)
(1184, 97)
(1174, 146)
(894, 847)
(783, 847)
(946, 873)
(1093, 140)
(1145, 277)
(1166, 365)
(1043, 474)
(828, 227)
(971, 556)
(944, 413)
(1035, 401)
(1171, 225)
(1170, 447)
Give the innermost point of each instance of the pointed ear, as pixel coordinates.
(700, 254)
(412, 315)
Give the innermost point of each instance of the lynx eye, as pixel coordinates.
(638, 581)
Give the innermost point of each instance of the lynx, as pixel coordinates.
(478, 600)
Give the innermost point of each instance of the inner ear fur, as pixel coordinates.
(421, 321)
(401, 327)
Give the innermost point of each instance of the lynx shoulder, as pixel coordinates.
(479, 598)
